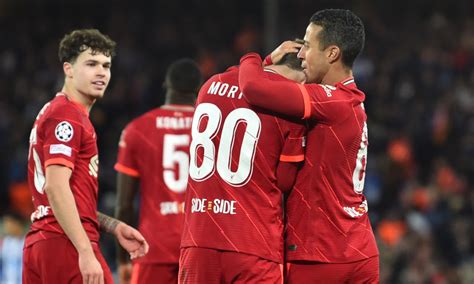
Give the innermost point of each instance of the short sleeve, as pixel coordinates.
(62, 136)
(126, 158)
(294, 145)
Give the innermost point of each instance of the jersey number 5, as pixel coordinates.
(171, 156)
(202, 170)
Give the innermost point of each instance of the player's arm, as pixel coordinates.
(284, 97)
(62, 202)
(127, 186)
(286, 175)
(129, 238)
(127, 182)
(292, 155)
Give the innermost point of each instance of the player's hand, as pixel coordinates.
(131, 240)
(90, 268)
(285, 47)
(124, 273)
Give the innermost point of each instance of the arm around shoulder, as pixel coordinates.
(281, 96)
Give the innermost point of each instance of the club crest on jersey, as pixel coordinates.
(64, 131)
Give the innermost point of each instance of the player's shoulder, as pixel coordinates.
(231, 74)
(274, 76)
(221, 82)
(329, 90)
(60, 107)
(345, 89)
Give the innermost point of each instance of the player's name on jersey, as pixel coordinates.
(216, 206)
(170, 122)
(225, 90)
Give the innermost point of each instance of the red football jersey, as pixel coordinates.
(63, 135)
(232, 200)
(155, 148)
(327, 217)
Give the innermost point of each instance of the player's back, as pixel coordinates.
(232, 200)
(154, 148)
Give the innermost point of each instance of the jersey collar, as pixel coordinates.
(270, 70)
(178, 107)
(348, 81)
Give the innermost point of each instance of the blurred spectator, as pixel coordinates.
(11, 248)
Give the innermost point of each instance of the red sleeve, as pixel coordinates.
(268, 60)
(284, 97)
(286, 175)
(293, 147)
(292, 154)
(126, 161)
(62, 139)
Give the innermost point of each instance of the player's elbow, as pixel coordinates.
(47, 189)
(52, 189)
(250, 90)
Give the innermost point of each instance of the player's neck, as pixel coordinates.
(336, 74)
(77, 97)
(180, 99)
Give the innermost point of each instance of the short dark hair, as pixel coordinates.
(342, 28)
(184, 76)
(77, 41)
(291, 59)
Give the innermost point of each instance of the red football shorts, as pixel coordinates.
(200, 265)
(154, 273)
(362, 271)
(56, 260)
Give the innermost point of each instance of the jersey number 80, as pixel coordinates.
(222, 162)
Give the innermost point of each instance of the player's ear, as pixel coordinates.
(333, 53)
(67, 68)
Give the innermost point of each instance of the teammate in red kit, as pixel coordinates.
(153, 157)
(62, 245)
(329, 236)
(240, 160)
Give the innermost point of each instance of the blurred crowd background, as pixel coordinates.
(417, 70)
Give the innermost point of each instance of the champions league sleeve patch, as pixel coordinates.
(64, 131)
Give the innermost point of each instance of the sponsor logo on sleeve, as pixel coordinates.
(64, 131)
(60, 149)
